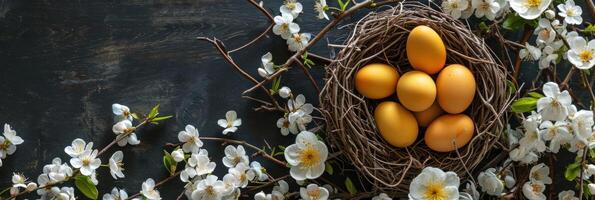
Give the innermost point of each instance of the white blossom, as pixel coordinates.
(54, 172)
(382, 196)
(209, 188)
(242, 174)
(540, 173)
(571, 12)
(116, 194)
(550, 14)
(530, 52)
(490, 183)
(314, 192)
(259, 171)
(78, 147)
(471, 190)
(284, 92)
(198, 164)
(234, 156)
(557, 134)
(321, 7)
(286, 127)
(9, 141)
(18, 181)
(581, 54)
(433, 183)
(306, 157)
(230, 123)
(178, 155)
(268, 67)
(554, 106)
(545, 32)
(291, 7)
(284, 26)
(529, 9)
(148, 190)
(190, 137)
(298, 41)
(582, 125)
(115, 165)
(591, 187)
(567, 195)
(534, 190)
(86, 162)
(454, 7)
(487, 8)
(122, 111)
(125, 133)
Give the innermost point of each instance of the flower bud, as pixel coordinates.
(284, 92)
(178, 155)
(591, 188)
(31, 186)
(550, 14)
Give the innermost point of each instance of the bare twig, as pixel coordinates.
(309, 75)
(518, 61)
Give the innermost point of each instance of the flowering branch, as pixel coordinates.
(158, 184)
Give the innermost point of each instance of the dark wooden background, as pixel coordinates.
(63, 63)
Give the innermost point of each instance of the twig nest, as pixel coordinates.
(381, 38)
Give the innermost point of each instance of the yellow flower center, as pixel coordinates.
(569, 12)
(435, 191)
(210, 190)
(585, 55)
(533, 3)
(309, 156)
(290, 5)
(297, 38)
(86, 161)
(314, 194)
(536, 187)
(236, 160)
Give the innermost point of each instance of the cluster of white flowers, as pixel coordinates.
(8, 142)
(278, 192)
(20, 182)
(299, 115)
(490, 9)
(494, 181)
(123, 128)
(288, 29)
(538, 178)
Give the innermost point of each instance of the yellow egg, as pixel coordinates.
(416, 91)
(449, 132)
(456, 88)
(376, 81)
(425, 50)
(396, 124)
(425, 117)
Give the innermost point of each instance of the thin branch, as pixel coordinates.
(309, 75)
(169, 178)
(517, 62)
(259, 151)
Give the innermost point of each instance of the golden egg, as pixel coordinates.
(449, 132)
(376, 81)
(396, 124)
(456, 88)
(425, 50)
(416, 91)
(425, 117)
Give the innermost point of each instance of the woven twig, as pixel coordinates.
(381, 37)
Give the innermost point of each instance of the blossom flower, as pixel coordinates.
(209, 188)
(549, 54)
(557, 134)
(199, 164)
(321, 7)
(299, 115)
(433, 183)
(540, 173)
(64, 193)
(178, 155)
(306, 157)
(122, 111)
(581, 53)
(549, 14)
(532, 140)
(284, 26)
(54, 172)
(591, 187)
(582, 123)
(314, 192)
(18, 182)
(125, 129)
(9, 141)
(471, 190)
(454, 7)
(284, 92)
(545, 32)
(534, 190)
(267, 68)
(262, 196)
(530, 52)
(116, 194)
(234, 156)
(286, 127)
(148, 190)
(86, 162)
(78, 147)
(115, 165)
(259, 171)
(529, 9)
(230, 123)
(487, 8)
(567, 195)
(490, 183)
(242, 174)
(522, 155)
(190, 137)
(291, 7)
(298, 41)
(382, 196)
(554, 106)
(571, 12)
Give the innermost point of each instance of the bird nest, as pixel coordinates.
(381, 37)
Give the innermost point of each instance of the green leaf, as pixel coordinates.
(484, 27)
(156, 119)
(86, 186)
(589, 29)
(513, 22)
(349, 186)
(586, 194)
(276, 85)
(592, 153)
(525, 104)
(572, 171)
(169, 163)
(154, 112)
(328, 168)
(135, 116)
(535, 95)
(511, 87)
